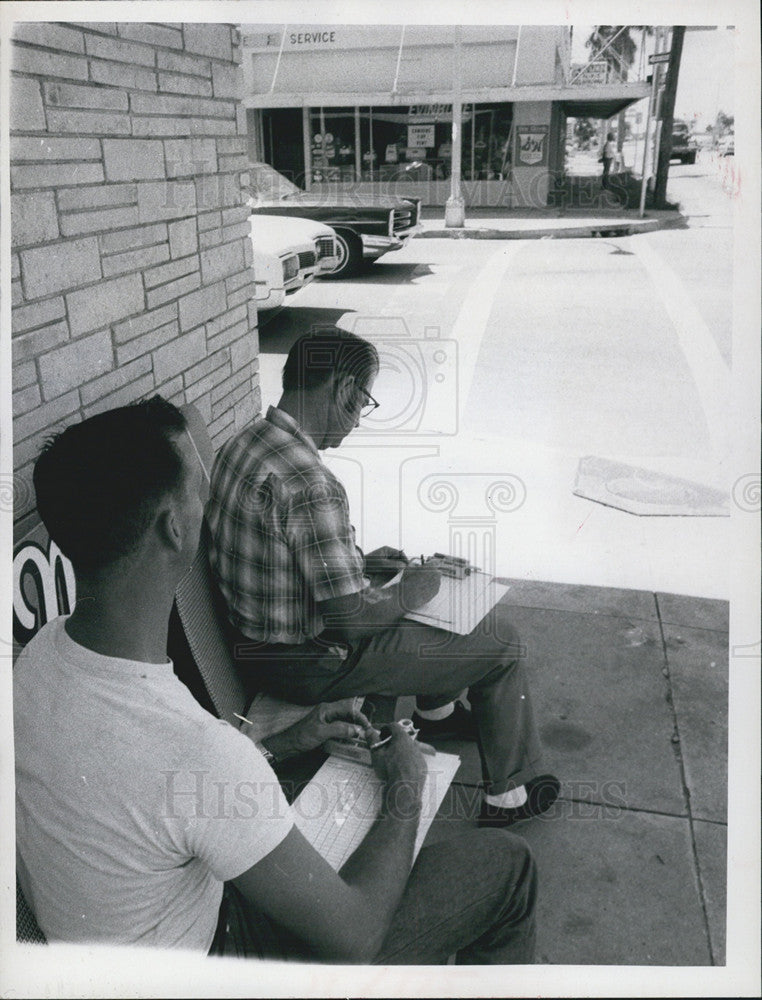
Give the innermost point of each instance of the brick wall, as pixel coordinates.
(130, 252)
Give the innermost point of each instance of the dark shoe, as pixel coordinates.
(542, 792)
(459, 725)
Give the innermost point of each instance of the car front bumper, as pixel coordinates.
(374, 245)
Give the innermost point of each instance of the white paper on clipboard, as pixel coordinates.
(460, 604)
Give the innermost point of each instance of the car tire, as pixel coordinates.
(690, 158)
(350, 254)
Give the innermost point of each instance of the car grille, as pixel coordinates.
(325, 247)
(307, 259)
(402, 218)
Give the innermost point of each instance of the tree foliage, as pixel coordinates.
(620, 54)
(584, 132)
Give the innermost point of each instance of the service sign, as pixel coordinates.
(592, 72)
(421, 135)
(532, 145)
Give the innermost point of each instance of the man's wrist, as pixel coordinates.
(403, 799)
(266, 751)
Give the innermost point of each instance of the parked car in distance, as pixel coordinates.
(366, 226)
(727, 145)
(684, 146)
(287, 254)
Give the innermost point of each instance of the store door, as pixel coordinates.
(284, 142)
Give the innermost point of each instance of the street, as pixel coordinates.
(506, 362)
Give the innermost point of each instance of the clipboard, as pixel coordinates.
(461, 603)
(342, 801)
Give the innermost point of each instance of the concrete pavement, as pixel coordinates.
(630, 690)
(550, 223)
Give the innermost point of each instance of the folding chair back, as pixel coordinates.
(27, 928)
(202, 613)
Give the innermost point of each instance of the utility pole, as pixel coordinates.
(667, 114)
(455, 206)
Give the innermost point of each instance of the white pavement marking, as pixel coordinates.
(471, 323)
(710, 373)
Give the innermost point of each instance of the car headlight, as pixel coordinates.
(290, 268)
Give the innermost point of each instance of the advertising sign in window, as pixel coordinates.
(421, 135)
(532, 145)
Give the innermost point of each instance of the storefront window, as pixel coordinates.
(410, 143)
(388, 143)
(486, 145)
(333, 143)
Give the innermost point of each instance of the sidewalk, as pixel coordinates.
(630, 690)
(548, 223)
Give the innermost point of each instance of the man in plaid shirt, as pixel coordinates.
(309, 626)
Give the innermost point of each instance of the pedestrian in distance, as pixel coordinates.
(608, 156)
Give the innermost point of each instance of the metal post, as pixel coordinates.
(370, 143)
(651, 107)
(455, 208)
(307, 140)
(358, 151)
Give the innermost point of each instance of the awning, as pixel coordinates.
(596, 107)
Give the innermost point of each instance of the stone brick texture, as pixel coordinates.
(127, 146)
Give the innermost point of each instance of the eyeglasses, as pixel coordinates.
(370, 406)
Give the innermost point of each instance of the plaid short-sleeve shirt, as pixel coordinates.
(281, 536)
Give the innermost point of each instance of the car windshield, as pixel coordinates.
(267, 184)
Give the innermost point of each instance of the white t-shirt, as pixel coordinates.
(133, 804)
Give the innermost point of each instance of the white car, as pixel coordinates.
(288, 253)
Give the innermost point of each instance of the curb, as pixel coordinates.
(559, 233)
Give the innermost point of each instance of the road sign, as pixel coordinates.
(659, 57)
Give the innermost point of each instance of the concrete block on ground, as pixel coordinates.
(698, 669)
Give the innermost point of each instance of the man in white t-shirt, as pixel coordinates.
(142, 819)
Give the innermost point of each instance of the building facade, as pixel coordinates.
(368, 109)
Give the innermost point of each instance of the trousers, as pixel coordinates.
(434, 665)
(472, 896)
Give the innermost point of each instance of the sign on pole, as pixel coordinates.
(659, 57)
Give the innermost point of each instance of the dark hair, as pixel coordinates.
(315, 356)
(98, 482)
